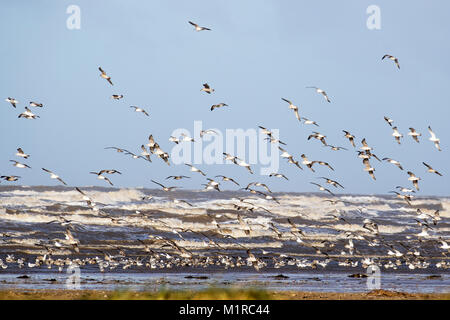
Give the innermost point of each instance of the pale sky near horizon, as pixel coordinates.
(256, 53)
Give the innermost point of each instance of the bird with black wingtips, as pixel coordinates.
(167, 189)
(22, 154)
(391, 58)
(414, 134)
(219, 105)
(394, 162)
(137, 109)
(206, 88)
(350, 137)
(197, 27)
(431, 170)
(434, 139)
(105, 76)
(322, 92)
(20, 165)
(13, 101)
(414, 179)
(54, 176)
(292, 107)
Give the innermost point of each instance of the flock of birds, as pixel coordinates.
(174, 254)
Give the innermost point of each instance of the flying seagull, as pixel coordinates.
(224, 178)
(434, 139)
(414, 179)
(10, 178)
(28, 114)
(117, 96)
(13, 101)
(167, 189)
(397, 135)
(322, 188)
(394, 162)
(318, 90)
(278, 175)
(137, 109)
(431, 170)
(350, 137)
(194, 169)
(102, 177)
(19, 165)
(22, 154)
(197, 27)
(54, 176)
(35, 104)
(414, 134)
(220, 105)
(293, 107)
(105, 76)
(391, 58)
(206, 88)
(388, 120)
(307, 121)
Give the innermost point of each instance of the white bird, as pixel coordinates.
(13, 101)
(206, 88)
(186, 138)
(394, 162)
(414, 134)
(278, 175)
(397, 135)
(100, 176)
(431, 170)
(307, 121)
(104, 75)
(434, 139)
(388, 120)
(293, 107)
(22, 154)
(194, 169)
(54, 176)
(19, 165)
(318, 90)
(117, 96)
(28, 114)
(414, 179)
(197, 27)
(137, 109)
(35, 104)
(350, 137)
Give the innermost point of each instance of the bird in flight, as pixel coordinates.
(167, 189)
(219, 105)
(397, 135)
(117, 96)
(35, 104)
(22, 154)
(137, 109)
(431, 170)
(318, 90)
(391, 58)
(394, 162)
(350, 137)
(197, 27)
(434, 139)
(194, 169)
(414, 179)
(206, 88)
(13, 101)
(104, 75)
(100, 175)
(54, 176)
(414, 134)
(388, 120)
(28, 114)
(293, 107)
(19, 165)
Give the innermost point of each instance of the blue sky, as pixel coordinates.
(256, 53)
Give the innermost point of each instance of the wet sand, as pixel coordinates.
(214, 294)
